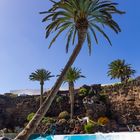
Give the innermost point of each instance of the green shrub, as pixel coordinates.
(89, 128)
(59, 99)
(102, 121)
(64, 115)
(30, 116)
(83, 92)
(62, 121)
(48, 120)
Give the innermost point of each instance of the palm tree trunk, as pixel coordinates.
(71, 92)
(32, 125)
(41, 94)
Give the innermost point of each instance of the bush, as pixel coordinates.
(62, 121)
(89, 128)
(59, 99)
(64, 115)
(103, 121)
(44, 120)
(83, 91)
(30, 116)
(48, 120)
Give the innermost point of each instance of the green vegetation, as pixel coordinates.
(118, 69)
(44, 120)
(30, 116)
(48, 120)
(81, 19)
(102, 121)
(64, 115)
(89, 128)
(41, 75)
(59, 100)
(83, 92)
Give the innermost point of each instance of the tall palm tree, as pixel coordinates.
(41, 75)
(81, 18)
(72, 75)
(120, 70)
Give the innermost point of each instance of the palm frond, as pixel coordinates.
(40, 75)
(89, 42)
(96, 13)
(102, 32)
(69, 38)
(60, 31)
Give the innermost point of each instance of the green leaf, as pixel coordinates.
(74, 35)
(60, 31)
(89, 42)
(102, 32)
(94, 34)
(69, 39)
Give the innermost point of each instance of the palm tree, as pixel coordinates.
(81, 18)
(72, 75)
(41, 75)
(120, 70)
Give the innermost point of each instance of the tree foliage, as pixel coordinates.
(71, 15)
(40, 75)
(120, 70)
(73, 74)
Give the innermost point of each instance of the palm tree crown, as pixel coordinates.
(73, 74)
(72, 15)
(119, 69)
(40, 75)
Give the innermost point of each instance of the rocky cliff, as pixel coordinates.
(121, 103)
(124, 102)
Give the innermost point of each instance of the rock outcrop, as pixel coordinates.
(121, 103)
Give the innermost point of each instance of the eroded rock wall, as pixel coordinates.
(124, 102)
(122, 105)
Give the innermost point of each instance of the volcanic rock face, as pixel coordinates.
(14, 110)
(5, 114)
(122, 105)
(125, 107)
(124, 102)
(95, 108)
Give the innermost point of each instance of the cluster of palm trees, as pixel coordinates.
(82, 19)
(72, 75)
(118, 69)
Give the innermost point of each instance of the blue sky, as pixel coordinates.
(23, 47)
